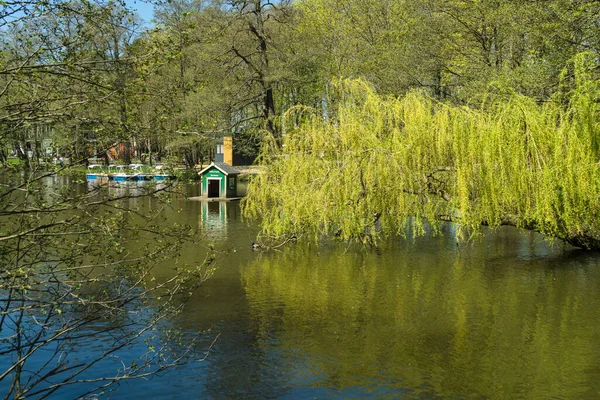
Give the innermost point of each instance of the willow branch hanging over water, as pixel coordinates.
(382, 165)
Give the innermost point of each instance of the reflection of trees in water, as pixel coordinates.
(83, 301)
(239, 367)
(490, 319)
(244, 369)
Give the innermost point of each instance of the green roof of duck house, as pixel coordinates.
(219, 180)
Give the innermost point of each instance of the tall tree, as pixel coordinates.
(251, 58)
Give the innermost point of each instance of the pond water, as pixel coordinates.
(508, 316)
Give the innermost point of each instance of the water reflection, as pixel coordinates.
(214, 220)
(214, 215)
(507, 317)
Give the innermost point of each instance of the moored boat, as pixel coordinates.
(95, 171)
(126, 173)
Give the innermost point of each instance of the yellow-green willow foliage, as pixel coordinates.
(382, 165)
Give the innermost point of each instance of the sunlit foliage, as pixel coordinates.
(383, 165)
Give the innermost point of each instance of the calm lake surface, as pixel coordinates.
(509, 316)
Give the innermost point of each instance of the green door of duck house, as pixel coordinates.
(219, 180)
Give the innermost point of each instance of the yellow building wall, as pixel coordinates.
(228, 150)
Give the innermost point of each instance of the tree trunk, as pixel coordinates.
(126, 155)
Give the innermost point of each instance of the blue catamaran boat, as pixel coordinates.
(125, 173)
(95, 171)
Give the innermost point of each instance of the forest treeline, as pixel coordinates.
(86, 75)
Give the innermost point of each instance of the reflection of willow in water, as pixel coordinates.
(432, 322)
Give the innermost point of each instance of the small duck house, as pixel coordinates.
(219, 180)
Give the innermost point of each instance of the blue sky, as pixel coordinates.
(144, 10)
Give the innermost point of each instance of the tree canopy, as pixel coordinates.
(90, 73)
(383, 165)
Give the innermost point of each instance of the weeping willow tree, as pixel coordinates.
(384, 165)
